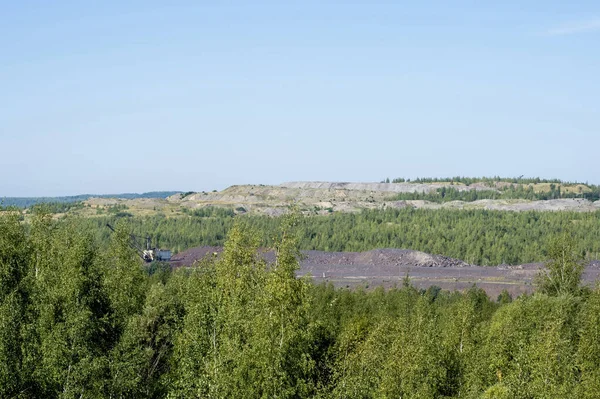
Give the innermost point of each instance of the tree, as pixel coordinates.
(124, 278)
(72, 332)
(14, 298)
(530, 349)
(141, 358)
(562, 274)
(281, 340)
(213, 351)
(504, 297)
(588, 356)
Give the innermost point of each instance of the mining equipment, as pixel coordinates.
(150, 254)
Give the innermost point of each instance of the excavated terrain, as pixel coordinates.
(383, 267)
(322, 198)
(388, 267)
(327, 197)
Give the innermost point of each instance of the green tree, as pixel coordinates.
(140, 362)
(72, 312)
(281, 338)
(562, 273)
(211, 352)
(14, 304)
(124, 278)
(588, 355)
(530, 349)
(504, 297)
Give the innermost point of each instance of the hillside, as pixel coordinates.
(323, 198)
(368, 216)
(326, 197)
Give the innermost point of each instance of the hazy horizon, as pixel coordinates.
(282, 182)
(141, 96)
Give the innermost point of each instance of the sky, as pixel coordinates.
(135, 96)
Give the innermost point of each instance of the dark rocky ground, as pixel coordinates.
(387, 267)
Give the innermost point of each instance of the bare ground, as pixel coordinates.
(324, 197)
(388, 267)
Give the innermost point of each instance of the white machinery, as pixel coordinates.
(150, 254)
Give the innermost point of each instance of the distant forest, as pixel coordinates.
(26, 202)
(447, 194)
(519, 188)
(477, 236)
(471, 180)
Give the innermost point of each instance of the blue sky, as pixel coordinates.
(190, 95)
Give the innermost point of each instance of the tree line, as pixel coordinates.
(519, 188)
(471, 180)
(477, 236)
(446, 194)
(79, 321)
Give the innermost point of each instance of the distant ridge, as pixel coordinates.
(380, 187)
(26, 202)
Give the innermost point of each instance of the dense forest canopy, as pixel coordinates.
(476, 236)
(80, 321)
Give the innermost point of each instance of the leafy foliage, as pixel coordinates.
(562, 273)
(80, 320)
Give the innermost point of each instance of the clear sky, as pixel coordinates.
(132, 96)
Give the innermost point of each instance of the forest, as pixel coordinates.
(518, 188)
(491, 180)
(480, 237)
(447, 194)
(83, 320)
